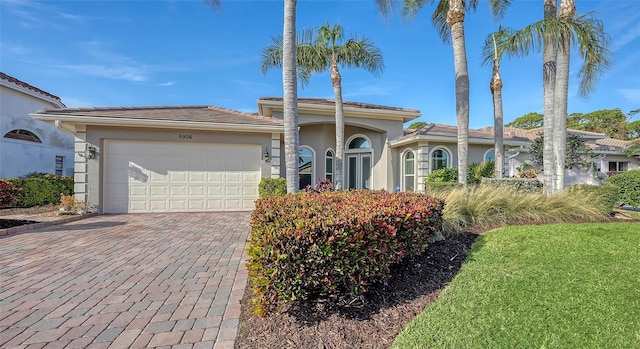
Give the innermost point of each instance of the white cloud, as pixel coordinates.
(73, 102)
(168, 83)
(631, 95)
(135, 74)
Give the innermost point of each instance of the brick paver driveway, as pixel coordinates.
(121, 281)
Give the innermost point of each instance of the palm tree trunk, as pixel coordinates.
(336, 81)
(496, 91)
(455, 21)
(290, 96)
(560, 101)
(548, 82)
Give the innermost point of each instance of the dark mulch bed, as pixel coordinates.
(374, 324)
(10, 223)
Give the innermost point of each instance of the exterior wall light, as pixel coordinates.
(91, 152)
(266, 157)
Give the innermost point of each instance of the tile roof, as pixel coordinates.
(324, 101)
(441, 130)
(205, 114)
(18, 82)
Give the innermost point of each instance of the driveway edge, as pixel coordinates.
(32, 226)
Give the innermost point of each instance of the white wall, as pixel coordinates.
(18, 157)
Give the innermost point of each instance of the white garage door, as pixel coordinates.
(143, 176)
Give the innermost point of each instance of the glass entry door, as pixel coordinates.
(359, 171)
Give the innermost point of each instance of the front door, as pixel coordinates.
(359, 171)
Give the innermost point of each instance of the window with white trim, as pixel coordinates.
(23, 135)
(305, 167)
(618, 166)
(59, 164)
(439, 159)
(328, 165)
(490, 155)
(409, 171)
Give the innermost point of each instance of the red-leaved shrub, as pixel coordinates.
(8, 193)
(333, 245)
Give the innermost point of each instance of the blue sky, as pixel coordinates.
(142, 53)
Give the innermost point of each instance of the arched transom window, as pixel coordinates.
(24, 135)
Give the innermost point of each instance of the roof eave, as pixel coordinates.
(472, 140)
(191, 125)
(266, 108)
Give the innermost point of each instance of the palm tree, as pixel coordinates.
(290, 93)
(290, 96)
(329, 51)
(490, 53)
(448, 20)
(558, 35)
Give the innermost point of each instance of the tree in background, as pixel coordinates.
(528, 121)
(577, 153)
(328, 51)
(416, 125)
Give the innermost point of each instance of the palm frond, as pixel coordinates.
(490, 46)
(498, 8)
(439, 21)
(213, 3)
(582, 32)
(385, 7)
(411, 7)
(361, 53)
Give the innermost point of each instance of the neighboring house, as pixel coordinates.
(202, 158)
(610, 156)
(28, 145)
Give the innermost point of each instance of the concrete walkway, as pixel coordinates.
(125, 281)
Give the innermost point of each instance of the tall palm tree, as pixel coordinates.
(559, 35)
(491, 53)
(290, 97)
(548, 85)
(566, 12)
(448, 20)
(329, 51)
(290, 93)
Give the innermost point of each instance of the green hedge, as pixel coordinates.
(333, 245)
(522, 185)
(272, 187)
(475, 173)
(606, 195)
(43, 190)
(628, 184)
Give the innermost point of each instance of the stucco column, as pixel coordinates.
(275, 155)
(80, 176)
(423, 166)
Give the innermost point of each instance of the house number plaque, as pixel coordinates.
(185, 136)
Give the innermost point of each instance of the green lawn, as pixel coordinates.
(550, 286)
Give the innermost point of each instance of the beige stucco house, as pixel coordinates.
(202, 158)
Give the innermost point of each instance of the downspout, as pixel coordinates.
(66, 130)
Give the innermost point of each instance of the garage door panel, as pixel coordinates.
(147, 176)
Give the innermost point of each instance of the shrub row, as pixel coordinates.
(8, 193)
(333, 245)
(42, 190)
(475, 173)
(522, 185)
(628, 184)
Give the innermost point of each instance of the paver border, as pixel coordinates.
(38, 225)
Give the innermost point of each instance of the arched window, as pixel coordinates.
(305, 167)
(490, 155)
(440, 158)
(409, 171)
(359, 143)
(23, 135)
(328, 165)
